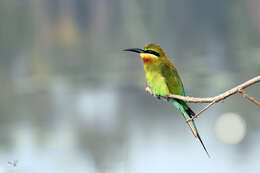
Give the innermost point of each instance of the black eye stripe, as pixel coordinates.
(152, 52)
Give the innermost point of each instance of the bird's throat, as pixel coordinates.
(147, 58)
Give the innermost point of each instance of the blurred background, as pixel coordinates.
(72, 101)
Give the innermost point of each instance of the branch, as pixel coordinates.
(248, 97)
(218, 98)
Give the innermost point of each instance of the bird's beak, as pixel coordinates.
(137, 50)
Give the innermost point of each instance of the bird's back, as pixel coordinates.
(172, 78)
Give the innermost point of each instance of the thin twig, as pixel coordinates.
(243, 93)
(202, 110)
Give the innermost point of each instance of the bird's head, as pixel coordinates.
(149, 53)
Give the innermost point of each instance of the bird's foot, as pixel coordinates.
(164, 98)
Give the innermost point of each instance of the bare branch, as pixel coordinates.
(218, 98)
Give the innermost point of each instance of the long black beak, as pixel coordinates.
(137, 50)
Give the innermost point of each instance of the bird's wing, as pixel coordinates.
(175, 85)
(172, 79)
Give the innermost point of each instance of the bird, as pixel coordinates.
(163, 79)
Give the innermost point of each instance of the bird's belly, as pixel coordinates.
(157, 84)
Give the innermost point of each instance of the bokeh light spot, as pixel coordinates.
(230, 128)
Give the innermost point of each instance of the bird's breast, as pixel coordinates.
(156, 81)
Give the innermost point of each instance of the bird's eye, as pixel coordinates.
(152, 52)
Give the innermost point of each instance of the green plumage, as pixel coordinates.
(163, 79)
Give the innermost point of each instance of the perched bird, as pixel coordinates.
(163, 79)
